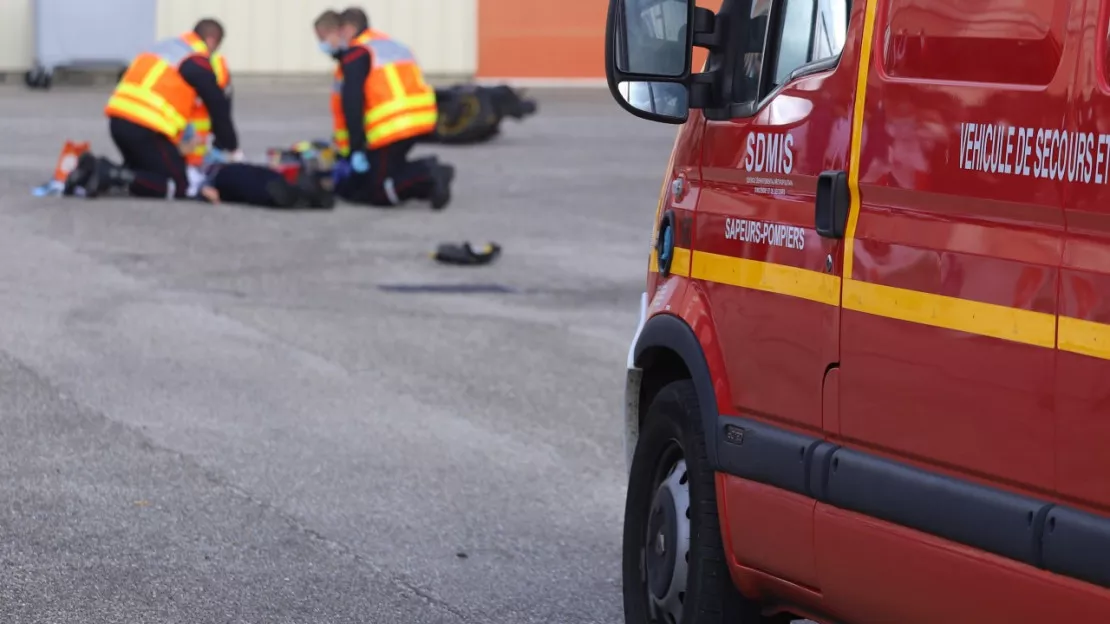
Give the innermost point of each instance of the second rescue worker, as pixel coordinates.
(381, 106)
(150, 109)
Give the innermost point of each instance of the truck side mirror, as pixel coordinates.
(649, 45)
(665, 101)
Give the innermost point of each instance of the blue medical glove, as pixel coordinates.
(359, 162)
(214, 157)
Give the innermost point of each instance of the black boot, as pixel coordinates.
(114, 177)
(442, 176)
(96, 176)
(79, 177)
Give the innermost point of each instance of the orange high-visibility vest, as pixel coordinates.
(202, 124)
(399, 104)
(152, 92)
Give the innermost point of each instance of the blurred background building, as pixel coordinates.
(523, 40)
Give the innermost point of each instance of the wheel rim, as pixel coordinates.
(665, 552)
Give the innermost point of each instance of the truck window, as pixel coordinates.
(812, 31)
(809, 31)
(796, 40)
(980, 41)
(655, 37)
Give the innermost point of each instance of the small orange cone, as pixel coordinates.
(67, 160)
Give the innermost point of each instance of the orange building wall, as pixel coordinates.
(543, 39)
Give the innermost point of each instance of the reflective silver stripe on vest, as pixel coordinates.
(388, 52)
(337, 85)
(173, 51)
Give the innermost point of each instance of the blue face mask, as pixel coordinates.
(327, 48)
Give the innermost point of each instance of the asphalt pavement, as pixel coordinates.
(225, 414)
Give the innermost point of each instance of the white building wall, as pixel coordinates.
(275, 36)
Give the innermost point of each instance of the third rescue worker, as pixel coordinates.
(381, 107)
(150, 109)
(202, 123)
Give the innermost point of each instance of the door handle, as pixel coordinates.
(833, 199)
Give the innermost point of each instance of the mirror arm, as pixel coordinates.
(705, 31)
(701, 89)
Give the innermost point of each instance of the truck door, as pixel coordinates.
(948, 325)
(1083, 394)
(771, 280)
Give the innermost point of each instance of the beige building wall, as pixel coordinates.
(275, 36)
(16, 35)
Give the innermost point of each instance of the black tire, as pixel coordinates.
(672, 432)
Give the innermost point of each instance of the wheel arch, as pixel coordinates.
(668, 350)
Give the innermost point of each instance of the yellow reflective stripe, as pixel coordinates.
(1013, 324)
(342, 134)
(860, 105)
(218, 68)
(202, 125)
(1084, 337)
(399, 105)
(765, 276)
(154, 74)
(965, 315)
(143, 113)
(155, 102)
(681, 261)
(401, 124)
(393, 77)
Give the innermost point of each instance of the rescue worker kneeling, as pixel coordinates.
(381, 106)
(150, 109)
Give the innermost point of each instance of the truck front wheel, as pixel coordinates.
(674, 565)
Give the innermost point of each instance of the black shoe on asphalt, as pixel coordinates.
(442, 176)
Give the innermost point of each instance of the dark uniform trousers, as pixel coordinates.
(391, 180)
(157, 164)
(243, 183)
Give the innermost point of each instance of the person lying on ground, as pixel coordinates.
(214, 182)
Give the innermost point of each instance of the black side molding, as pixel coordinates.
(966, 513)
(1077, 544)
(766, 454)
(669, 332)
(1035, 532)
